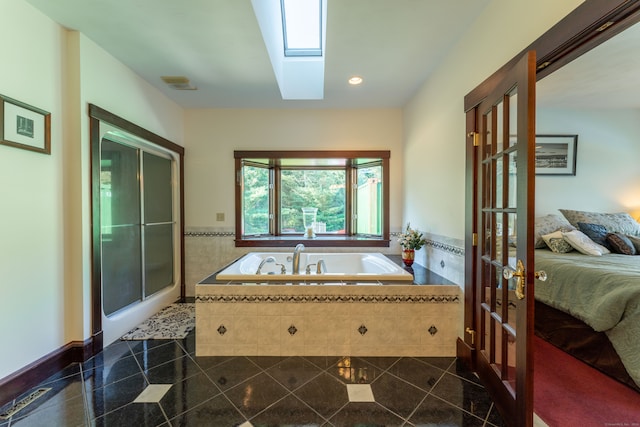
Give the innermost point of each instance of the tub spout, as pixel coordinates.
(295, 267)
(321, 267)
(263, 262)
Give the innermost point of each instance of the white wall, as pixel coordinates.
(434, 121)
(45, 217)
(212, 135)
(607, 174)
(31, 215)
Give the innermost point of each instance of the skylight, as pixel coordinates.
(299, 72)
(302, 27)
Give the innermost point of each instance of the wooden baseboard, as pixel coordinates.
(31, 375)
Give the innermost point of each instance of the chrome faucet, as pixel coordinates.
(295, 266)
(263, 262)
(321, 267)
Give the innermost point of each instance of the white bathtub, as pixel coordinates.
(347, 267)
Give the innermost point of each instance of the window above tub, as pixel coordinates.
(345, 196)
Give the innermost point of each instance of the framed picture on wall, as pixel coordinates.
(556, 154)
(24, 126)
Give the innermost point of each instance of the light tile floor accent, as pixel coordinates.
(153, 393)
(360, 393)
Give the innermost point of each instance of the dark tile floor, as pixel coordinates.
(182, 389)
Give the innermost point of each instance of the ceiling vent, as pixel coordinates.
(178, 82)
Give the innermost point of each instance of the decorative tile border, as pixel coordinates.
(209, 234)
(433, 299)
(445, 247)
(455, 250)
(394, 235)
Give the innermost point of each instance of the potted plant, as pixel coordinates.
(411, 240)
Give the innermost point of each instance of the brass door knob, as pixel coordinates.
(509, 273)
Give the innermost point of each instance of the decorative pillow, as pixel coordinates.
(596, 232)
(555, 241)
(620, 244)
(584, 244)
(548, 224)
(636, 243)
(620, 222)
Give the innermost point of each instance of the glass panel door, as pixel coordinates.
(506, 127)
(120, 226)
(137, 226)
(158, 223)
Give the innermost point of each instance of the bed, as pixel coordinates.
(590, 307)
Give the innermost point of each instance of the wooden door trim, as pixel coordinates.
(578, 32)
(466, 344)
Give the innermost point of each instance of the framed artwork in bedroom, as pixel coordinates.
(24, 126)
(556, 154)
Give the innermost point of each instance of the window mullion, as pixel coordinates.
(349, 200)
(274, 205)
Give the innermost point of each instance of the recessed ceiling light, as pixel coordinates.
(355, 80)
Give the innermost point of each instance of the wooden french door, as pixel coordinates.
(503, 126)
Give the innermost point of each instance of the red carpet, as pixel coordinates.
(569, 393)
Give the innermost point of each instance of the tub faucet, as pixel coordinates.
(321, 267)
(295, 267)
(263, 262)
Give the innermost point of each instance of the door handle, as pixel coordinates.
(509, 273)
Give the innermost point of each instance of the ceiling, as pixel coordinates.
(604, 77)
(393, 44)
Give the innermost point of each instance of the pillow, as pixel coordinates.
(620, 222)
(556, 242)
(584, 244)
(548, 224)
(620, 244)
(635, 241)
(596, 232)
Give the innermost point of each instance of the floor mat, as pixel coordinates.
(172, 322)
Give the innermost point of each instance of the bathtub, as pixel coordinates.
(340, 267)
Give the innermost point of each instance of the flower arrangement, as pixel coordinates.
(411, 239)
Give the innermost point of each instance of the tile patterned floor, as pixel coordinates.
(163, 383)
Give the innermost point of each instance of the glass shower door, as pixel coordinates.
(158, 223)
(120, 226)
(137, 226)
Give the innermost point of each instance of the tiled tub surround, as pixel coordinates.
(327, 320)
(211, 248)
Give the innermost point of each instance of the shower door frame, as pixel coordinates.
(98, 115)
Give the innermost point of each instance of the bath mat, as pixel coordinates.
(172, 322)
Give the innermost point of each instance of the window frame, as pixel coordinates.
(351, 238)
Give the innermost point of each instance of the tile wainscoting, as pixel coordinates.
(444, 256)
